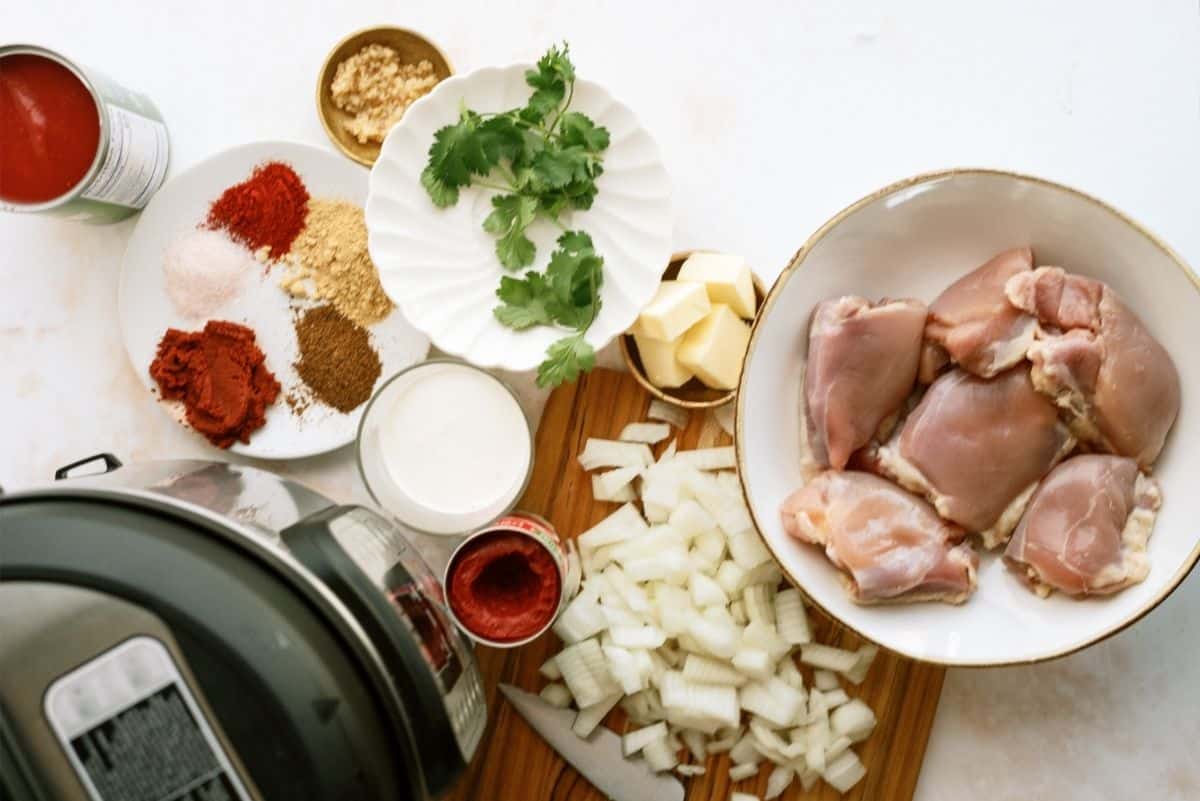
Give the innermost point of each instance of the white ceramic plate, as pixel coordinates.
(439, 265)
(146, 311)
(912, 239)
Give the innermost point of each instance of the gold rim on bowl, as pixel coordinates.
(692, 395)
(773, 295)
(412, 48)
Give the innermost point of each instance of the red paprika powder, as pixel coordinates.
(504, 586)
(221, 376)
(268, 209)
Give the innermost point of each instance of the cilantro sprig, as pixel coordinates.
(542, 160)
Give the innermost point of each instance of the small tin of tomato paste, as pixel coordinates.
(507, 583)
(73, 142)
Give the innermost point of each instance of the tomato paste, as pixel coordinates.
(504, 586)
(49, 129)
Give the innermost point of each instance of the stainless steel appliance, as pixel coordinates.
(201, 631)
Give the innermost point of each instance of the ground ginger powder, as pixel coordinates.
(376, 87)
(329, 261)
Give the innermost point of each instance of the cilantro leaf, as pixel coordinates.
(441, 193)
(511, 215)
(565, 360)
(457, 154)
(523, 301)
(554, 168)
(575, 276)
(550, 81)
(579, 130)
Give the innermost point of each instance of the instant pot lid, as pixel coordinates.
(294, 681)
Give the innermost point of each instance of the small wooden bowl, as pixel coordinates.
(694, 394)
(412, 47)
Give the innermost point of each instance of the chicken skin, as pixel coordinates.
(1095, 358)
(973, 325)
(1086, 528)
(862, 363)
(977, 448)
(891, 545)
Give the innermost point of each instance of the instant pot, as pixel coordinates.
(198, 631)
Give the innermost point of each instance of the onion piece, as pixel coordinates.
(556, 695)
(609, 485)
(613, 453)
(766, 573)
(774, 701)
(694, 740)
(622, 524)
(585, 672)
(791, 618)
(825, 680)
(835, 698)
(668, 452)
(789, 674)
(722, 744)
(583, 618)
(589, 717)
(689, 770)
(731, 576)
(550, 670)
(844, 772)
(743, 751)
(690, 519)
(853, 720)
(703, 670)
(722, 458)
(659, 756)
(624, 669)
(716, 638)
(619, 616)
(724, 417)
(836, 748)
(707, 592)
(747, 548)
(866, 655)
(633, 595)
(753, 662)
(740, 772)
(643, 636)
(778, 781)
(759, 601)
(827, 657)
(636, 740)
(665, 412)
(649, 433)
(738, 610)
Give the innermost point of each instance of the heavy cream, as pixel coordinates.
(446, 447)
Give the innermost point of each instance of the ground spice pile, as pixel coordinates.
(337, 362)
(264, 212)
(329, 261)
(376, 87)
(221, 376)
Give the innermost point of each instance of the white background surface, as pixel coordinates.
(771, 118)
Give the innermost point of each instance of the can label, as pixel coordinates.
(135, 162)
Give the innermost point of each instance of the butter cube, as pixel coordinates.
(658, 359)
(715, 347)
(675, 308)
(727, 279)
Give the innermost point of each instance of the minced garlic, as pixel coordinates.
(376, 87)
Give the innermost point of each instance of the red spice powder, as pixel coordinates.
(266, 210)
(504, 587)
(220, 375)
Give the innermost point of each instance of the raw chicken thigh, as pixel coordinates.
(972, 323)
(976, 449)
(862, 362)
(1117, 384)
(1086, 528)
(892, 545)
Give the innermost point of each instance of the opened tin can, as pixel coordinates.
(49, 135)
(507, 583)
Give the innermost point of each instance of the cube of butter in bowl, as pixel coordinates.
(687, 346)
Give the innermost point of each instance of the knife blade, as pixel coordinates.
(598, 758)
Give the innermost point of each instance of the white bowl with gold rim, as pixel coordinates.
(439, 265)
(912, 239)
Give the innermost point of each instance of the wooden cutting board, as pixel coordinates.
(514, 764)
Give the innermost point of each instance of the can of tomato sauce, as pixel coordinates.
(507, 583)
(73, 142)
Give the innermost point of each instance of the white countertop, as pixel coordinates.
(771, 117)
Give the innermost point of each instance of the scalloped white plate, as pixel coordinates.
(911, 239)
(439, 266)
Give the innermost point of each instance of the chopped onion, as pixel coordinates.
(766, 573)
(739, 772)
(741, 796)
(633, 595)
(550, 670)
(774, 701)
(624, 523)
(556, 695)
(659, 756)
(638, 739)
(815, 758)
(827, 657)
(866, 655)
(668, 452)
(853, 719)
(723, 744)
(582, 618)
(737, 610)
(612, 453)
(791, 618)
(585, 671)
(743, 751)
(619, 616)
(638, 636)
(589, 716)
(694, 740)
(835, 698)
(716, 638)
(790, 674)
(665, 412)
(609, 485)
(747, 549)
(778, 781)
(707, 592)
(703, 670)
(844, 772)
(625, 669)
(650, 433)
(656, 513)
(690, 519)
(824, 680)
(753, 662)
(758, 599)
(759, 634)
(724, 415)
(836, 748)
(808, 779)
(731, 577)
(689, 770)
(722, 458)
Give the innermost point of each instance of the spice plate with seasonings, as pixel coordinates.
(269, 238)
